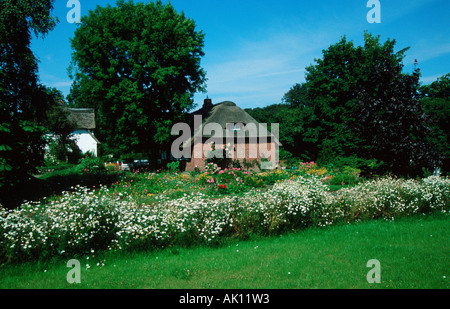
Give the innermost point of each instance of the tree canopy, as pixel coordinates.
(357, 105)
(138, 65)
(436, 103)
(23, 102)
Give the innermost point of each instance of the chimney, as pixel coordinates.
(207, 103)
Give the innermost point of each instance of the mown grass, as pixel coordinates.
(413, 253)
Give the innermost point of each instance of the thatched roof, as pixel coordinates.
(83, 118)
(224, 114)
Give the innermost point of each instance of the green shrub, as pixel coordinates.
(367, 167)
(173, 167)
(91, 165)
(347, 176)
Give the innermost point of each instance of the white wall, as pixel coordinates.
(85, 141)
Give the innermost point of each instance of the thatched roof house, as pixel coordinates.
(234, 123)
(84, 121)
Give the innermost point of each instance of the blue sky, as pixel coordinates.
(256, 50)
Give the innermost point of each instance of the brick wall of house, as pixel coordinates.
(250, 151)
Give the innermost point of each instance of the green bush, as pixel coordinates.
(91, 165)
(367, 167)
(346, 176)
(173, 167)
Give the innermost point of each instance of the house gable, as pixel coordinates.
(84, 123)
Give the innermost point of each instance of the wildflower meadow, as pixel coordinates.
(133, 215)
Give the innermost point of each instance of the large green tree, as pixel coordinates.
(23, 102)
(358, 103)
(436, 103)
(138, 65)
(391, 120)
(289, 120)
(326, 102)
(62, 146)
(305, 126)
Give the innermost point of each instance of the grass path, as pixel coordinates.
(413, 253)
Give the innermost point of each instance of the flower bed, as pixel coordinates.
(85, 220)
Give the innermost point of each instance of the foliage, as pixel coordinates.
(60, 152)
(23, 100)
(138, 66)
(57, 122)
(367, 167)
(91, 165)
(349, 176)
(436, 103)
(248, 164)
(357, 103)
(372, 113)
(290, 122)
(173, 167)
(390, 117)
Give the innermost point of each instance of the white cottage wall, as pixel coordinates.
(85, 141)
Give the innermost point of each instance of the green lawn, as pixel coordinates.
(413, 253)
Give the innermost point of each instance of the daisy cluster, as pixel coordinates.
(83, 220)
